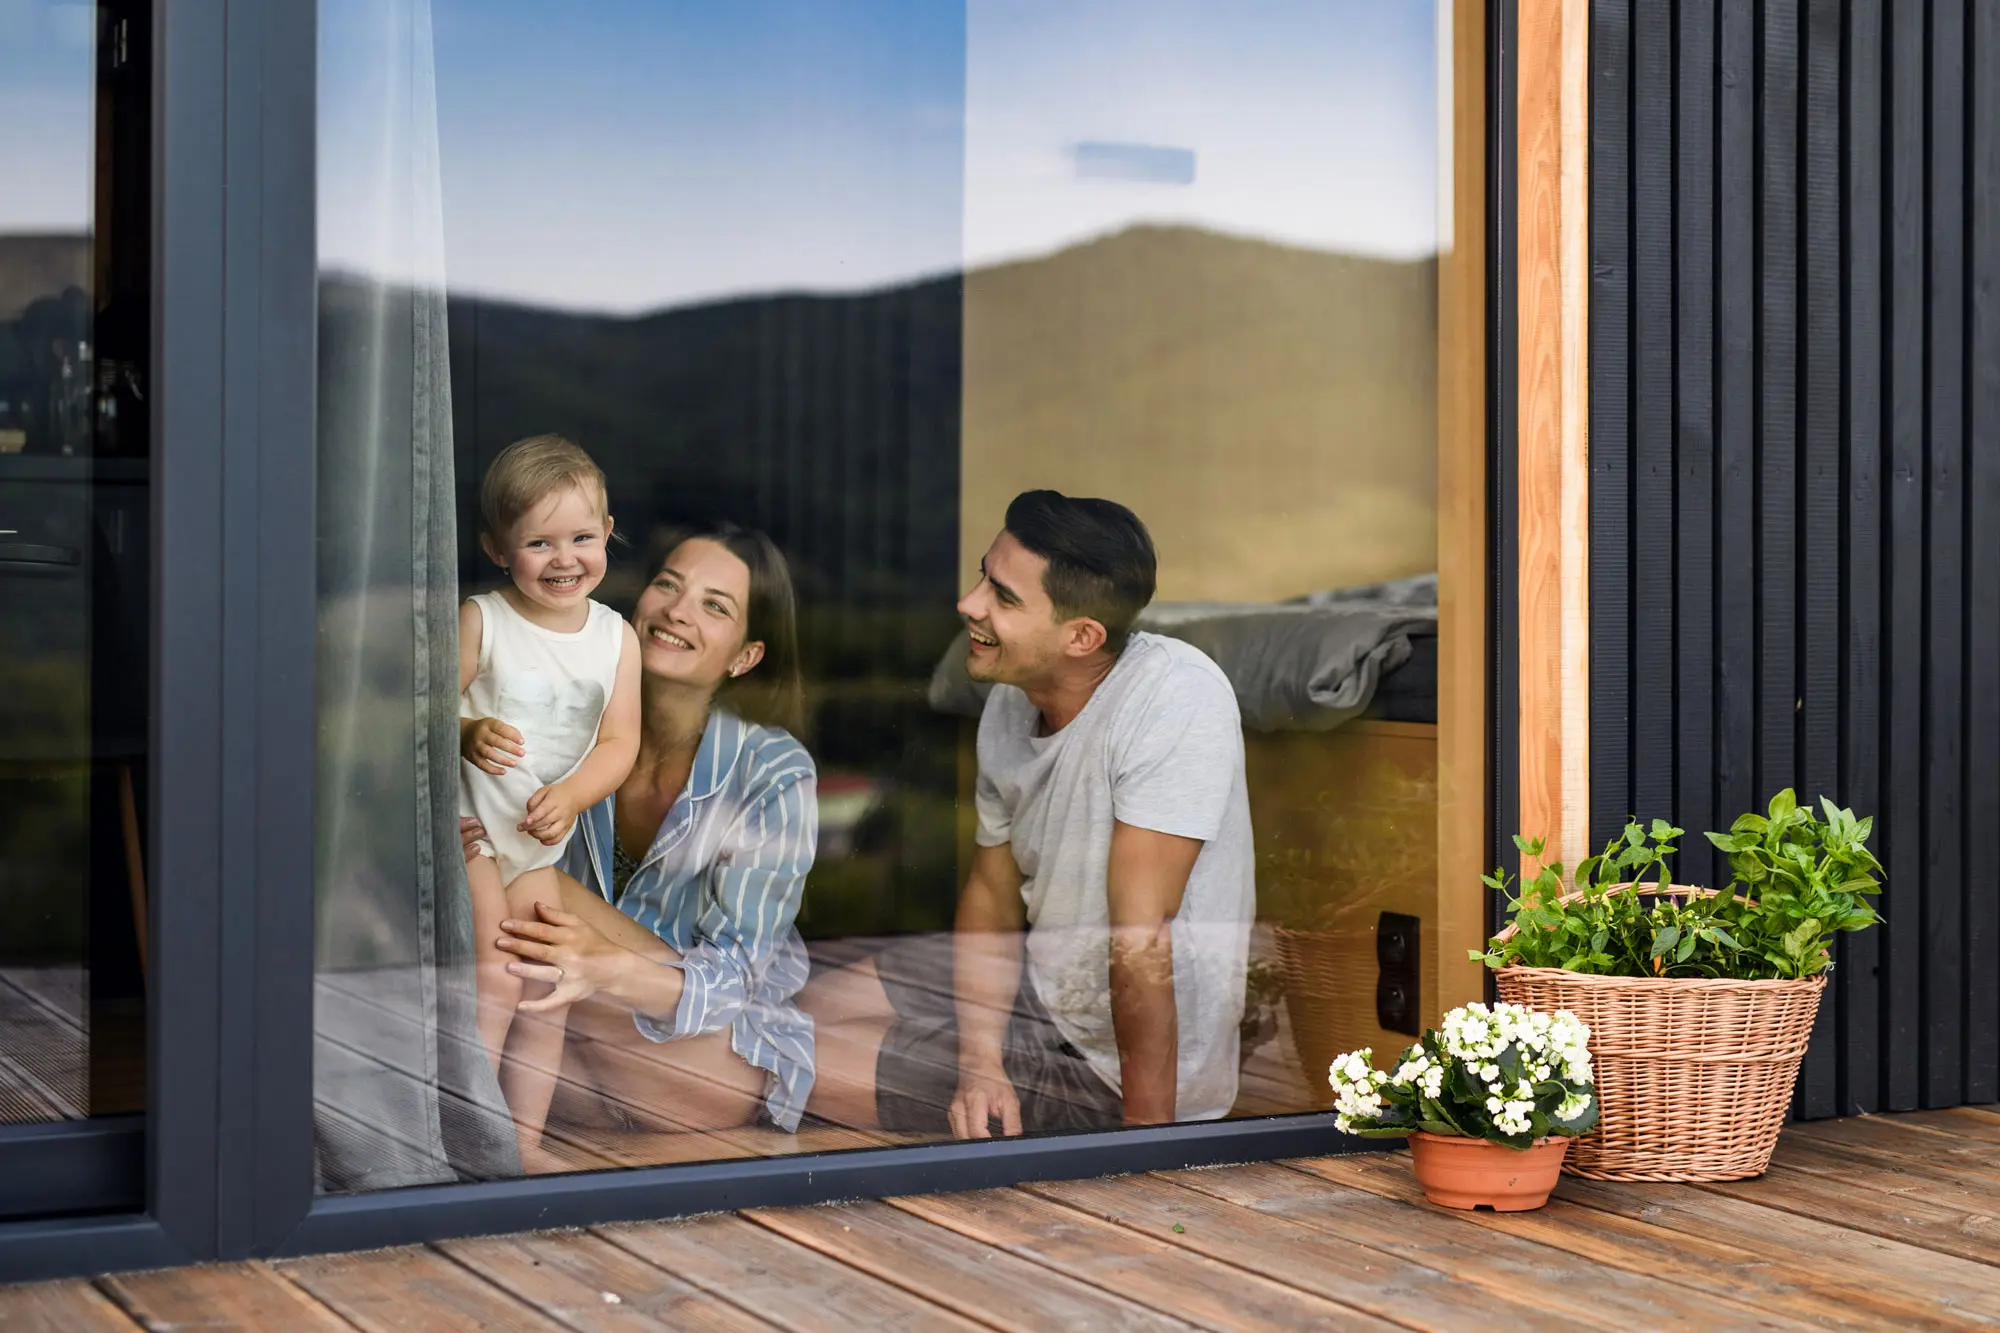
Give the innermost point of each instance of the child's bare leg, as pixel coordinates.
(535, 1048)
(499, 989)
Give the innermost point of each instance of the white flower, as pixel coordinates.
(1573, 1106)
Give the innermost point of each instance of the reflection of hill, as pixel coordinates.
(1269, 411)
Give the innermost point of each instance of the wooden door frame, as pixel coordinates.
(1552, 323)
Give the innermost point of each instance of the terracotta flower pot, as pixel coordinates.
(1472, 1173)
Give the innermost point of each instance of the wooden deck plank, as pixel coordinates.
(23, 1100)
(1900, 1177)
(1864, 1264)
(1892, 1137)
(1693, 1261)
(1142, 1268)
(776, 1278)
(44, 1050)
(1886, 1222)
(1968, 1233)
(569, 1274)
(1416, 1294)
(60, 990)
(411, 1290)
(980, 1282)
(246, 1296)
(1972, 1122)
(1934, 1182)
(61, 1307)
(1514, 1267)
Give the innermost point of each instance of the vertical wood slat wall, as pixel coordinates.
(1795, 476)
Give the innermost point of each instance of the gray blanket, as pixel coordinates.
(1307, 665)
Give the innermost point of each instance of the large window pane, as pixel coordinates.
(821, 289)
(73, 559)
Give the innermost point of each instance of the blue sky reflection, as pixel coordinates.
(626, 155)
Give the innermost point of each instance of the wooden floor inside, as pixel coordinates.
(1881, 1221)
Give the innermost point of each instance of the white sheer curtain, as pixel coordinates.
(404, 1091)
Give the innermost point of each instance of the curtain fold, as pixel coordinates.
(404, 1093)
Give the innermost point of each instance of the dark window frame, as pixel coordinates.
(228, 1146)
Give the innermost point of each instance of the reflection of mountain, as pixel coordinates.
(1269, 411)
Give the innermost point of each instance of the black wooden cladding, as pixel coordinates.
(1795, 477)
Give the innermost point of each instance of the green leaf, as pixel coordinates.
(1687, 947)
(1663, 940)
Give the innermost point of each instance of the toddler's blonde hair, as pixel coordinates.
(529, 471)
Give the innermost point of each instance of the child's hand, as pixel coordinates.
(490, 744)
(551, 811)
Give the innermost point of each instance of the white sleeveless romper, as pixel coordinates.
(553, 689)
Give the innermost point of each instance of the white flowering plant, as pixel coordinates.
(1506, 1074)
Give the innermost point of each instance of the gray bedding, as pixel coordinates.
(1307, 665)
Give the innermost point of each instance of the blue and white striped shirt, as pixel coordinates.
(722, 884)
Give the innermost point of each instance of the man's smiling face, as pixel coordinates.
(1016, 638)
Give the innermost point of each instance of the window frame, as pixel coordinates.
(228, 1135)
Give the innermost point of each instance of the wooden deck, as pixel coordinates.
(1883, 1222)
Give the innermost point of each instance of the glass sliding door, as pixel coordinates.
(791, 334)
(74, 567)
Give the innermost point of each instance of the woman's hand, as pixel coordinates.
(490, 744)
(470, 834)
(551, 811)
(564, 951)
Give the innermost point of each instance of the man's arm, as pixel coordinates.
(1147, 875)
(986, 957)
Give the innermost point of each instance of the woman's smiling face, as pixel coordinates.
(691, 618)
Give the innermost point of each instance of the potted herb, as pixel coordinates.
(1490, 1102)
(1701, 1001)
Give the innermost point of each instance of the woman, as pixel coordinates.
(673, 950)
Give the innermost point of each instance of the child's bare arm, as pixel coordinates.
(486, 741)
(471, 624)
(555, 807)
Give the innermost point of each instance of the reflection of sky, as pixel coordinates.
(1311, 121)
(46, 105)
(630, 154)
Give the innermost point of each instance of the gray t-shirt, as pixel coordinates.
(1158, 746)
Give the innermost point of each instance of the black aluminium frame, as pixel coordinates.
(228, 1137)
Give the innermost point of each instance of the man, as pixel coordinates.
(1114, 826)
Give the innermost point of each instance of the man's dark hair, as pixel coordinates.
(1101, 560)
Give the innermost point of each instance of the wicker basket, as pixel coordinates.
(1329, 998)
(1694, 1076)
